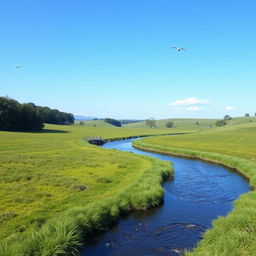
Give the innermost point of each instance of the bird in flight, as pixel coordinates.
(178, 48)
(17, 66)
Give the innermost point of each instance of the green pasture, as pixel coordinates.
(94, 123)
(45, 173)
(236, 140)
(189, 124)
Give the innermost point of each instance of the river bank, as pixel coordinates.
(234, 234)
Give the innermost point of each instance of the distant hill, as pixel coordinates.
(241, 120)
(128, 121)
(85, 118)
(94, 123)
(179, 123)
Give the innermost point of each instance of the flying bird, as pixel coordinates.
(178, 48)
(17, 66)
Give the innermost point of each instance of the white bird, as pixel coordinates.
(17, 66)
(178, 48)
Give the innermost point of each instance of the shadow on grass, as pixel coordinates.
(51, 131)
(42, 131)
(39, 131)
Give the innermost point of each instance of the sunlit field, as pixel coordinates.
(44, 173)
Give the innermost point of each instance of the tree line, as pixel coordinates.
(15, 116)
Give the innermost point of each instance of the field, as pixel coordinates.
(44, 174)
(55, 184)
(179, 123)
(235, 146)
(238, 138)
(95, 123)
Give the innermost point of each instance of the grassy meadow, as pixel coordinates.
(46, 174)
(188, 124)
(233, 145)
(54, 184)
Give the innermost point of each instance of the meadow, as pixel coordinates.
(55, 184)
(46, 175)
(233, 145)
(189, 124)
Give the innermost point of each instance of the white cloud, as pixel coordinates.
(230, 108)
(189, 102)
(193, 108)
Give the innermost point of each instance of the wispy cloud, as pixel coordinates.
(193, 109)
(190, 101)
(230, 108)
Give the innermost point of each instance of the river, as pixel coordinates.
(198, 193)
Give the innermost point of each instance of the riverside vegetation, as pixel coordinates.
(234, 146)
(57, 189)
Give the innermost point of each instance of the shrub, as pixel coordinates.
(220, 123)
(169, 124)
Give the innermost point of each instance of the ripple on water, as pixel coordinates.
(203, 186)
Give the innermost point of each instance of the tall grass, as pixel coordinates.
(235, 234)
(63, 235)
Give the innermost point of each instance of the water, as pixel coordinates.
(198, 193)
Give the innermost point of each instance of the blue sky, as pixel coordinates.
(113, 58)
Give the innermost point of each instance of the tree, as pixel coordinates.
(169, 124)
(151, 122)
(247, 115)
(113, 122)
(220, 122)
(81, 123)
(227, 117)
(197, 123)
(17, 117)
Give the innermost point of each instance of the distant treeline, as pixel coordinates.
(113, 122)
(15, 116)
(129, 121)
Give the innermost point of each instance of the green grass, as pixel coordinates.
(53, 184)
(95, 123)
(187, 124)
(234, 146)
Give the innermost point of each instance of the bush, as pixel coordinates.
(169, 124)
(220, 123)
(227, 117)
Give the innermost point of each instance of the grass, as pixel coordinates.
(95, 123)
(56, 189)
(188, 124)
(234, 146)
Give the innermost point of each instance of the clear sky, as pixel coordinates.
(113, 58)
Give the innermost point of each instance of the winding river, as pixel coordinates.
(198, 194)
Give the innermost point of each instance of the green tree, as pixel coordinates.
(227, 117)
(151, 122)
(169, 124)
(17, 117)
(220, 122)
(113, 122)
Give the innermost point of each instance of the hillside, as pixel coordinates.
(95, 123)
(238, 138)
(179, 123)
